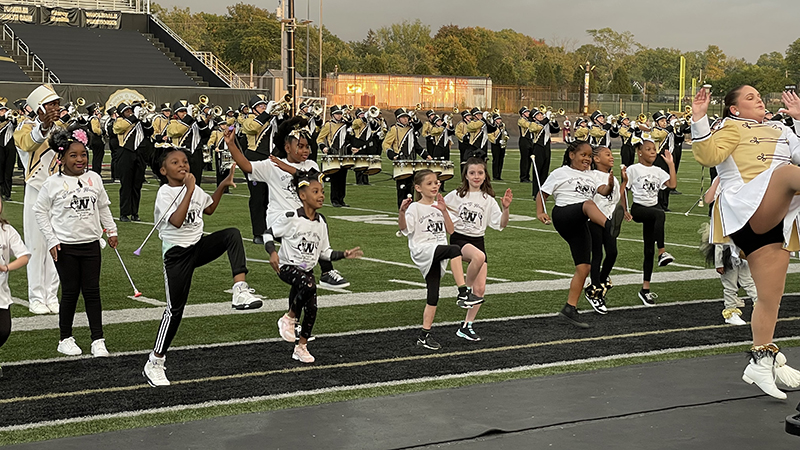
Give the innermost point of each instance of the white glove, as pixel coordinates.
(137, 111)
(190, 110)
(548, 114)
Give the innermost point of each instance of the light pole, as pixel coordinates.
(319, 94)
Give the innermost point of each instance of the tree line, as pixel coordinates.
(621, 64)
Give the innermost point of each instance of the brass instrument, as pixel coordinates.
(80, 101)
(448, 120)
(418, 106)
(15, 114)
(687, 111)
(561, 112)
(373, 112)
(216, 111)
(455, 109)
(496, 111)
(642, 118)
(542, 109)
(317, 109)
(150, 106)
(203, 100)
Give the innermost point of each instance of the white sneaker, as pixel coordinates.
(99, 349)
(735, 319)
(69, 347)
(301, 354)
(286, 328)
(243, 298)
(53, 307)
(665, 259)
(38, 307)
(155, 373)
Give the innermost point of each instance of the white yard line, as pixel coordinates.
(48, 322)
(550, 272)
(688, 266)
(625, 269)
(148, 300)
(20, 301)
(410, 283)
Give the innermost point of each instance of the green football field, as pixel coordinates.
(385, 291)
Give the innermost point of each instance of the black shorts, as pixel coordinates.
(461, 240)
(748, 241)
(573, 225)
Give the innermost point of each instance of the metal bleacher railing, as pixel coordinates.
(104, 5)
(19, 47)
(208, 59)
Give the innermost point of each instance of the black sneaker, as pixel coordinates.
(124, 219)
(466, 332)
(594, 295)
(570, 313)
(333, 280)
(466, 299)
(674, 192)
(135, 218)
(648, 298)
(428, 342)
(665, 259)
(258, 240)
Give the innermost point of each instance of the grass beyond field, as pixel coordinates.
(384, 290)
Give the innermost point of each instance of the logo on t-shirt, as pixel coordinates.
(307, 247)
(470, 217)
(649, 186)
(435, 226)
(586, 190)
(84, 203)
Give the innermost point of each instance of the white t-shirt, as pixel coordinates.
(425, 231)
(192, 229)
(303, 241)
(570, 186)
(645, 182)
(606, 203)
(472, 213)
(10, 244)
(282, 196)
(70, 209)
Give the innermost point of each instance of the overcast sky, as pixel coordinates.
(741, 28)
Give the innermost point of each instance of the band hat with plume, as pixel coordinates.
(42, 95)
(257, 100)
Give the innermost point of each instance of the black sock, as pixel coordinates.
(462, 289)
(645, 291)
(425, 333)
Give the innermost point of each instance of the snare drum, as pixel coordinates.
(361, 162)
(436, 166)
(330, 164)
(347, 161)
(422, 164)
(402, 169)
(447, 170)
(374, 165)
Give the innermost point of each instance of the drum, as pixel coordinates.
(347, 161)
(447, 170)
(436, 166)
(361, 162)
(422, 164)
(402, 169)
(375, 165)
(330, 164)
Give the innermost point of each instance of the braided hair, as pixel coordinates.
(573, 147)
(288, 131)
(160, 155)
(62, 139)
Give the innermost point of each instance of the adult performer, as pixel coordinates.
(757, 207)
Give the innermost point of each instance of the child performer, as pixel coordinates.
(645, 180)
(472, 208)
(425, 223)
(304, 234)
(69, 210)
(610, 207)
(573, 185)
(184, 249)
(10, 245)
(733, 270)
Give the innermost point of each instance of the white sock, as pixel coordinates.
(240, 284)
(155, 359)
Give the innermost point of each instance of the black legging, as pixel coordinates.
(78, 267)
(5, 325)
(652, 219)
(602, 239)
(434, 276)
(541, 166)
(302, 296)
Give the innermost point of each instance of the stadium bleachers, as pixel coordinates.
(9, 70)
(101, 56)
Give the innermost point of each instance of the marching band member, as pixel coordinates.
(680, 128)
(626, 133)
(478, 131)
(306, 111)
(96, 143)
(426, 131)
(664, 139)
(113, 141)
(600, 132)
(441, 132)
(581, 130)
(527, 130)
(498, 139)
(363, 129)
(40, 163)
(160, 123)
(541, 146)
(260, 129)
(189, 132)
(400, 143)
(134, 138)
(334, 139)
(8, 151)
(217, 145)
(463, 136)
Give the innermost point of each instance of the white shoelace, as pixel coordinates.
(335, 275)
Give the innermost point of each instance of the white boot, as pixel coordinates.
(761, 370)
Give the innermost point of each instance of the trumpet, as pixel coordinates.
(448, 120)
(687, 111)
(542, 108)
(642, 118)
(203, 100)
(80, 101)
(455, 109)
(15, 115)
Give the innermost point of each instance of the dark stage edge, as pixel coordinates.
(688, 403)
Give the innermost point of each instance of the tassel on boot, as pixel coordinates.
(785, 374)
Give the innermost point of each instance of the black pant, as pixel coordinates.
(676, 155)
(196, 165)
(130, 169)
(5, 324)
(259, 197)
(541, 166)
(115, 152)
(573, 226)
(434, 277)
(338, 182)
(627, 155)
(221, 174)
(8, 156)
(302, 296)
(498, 155)
(179, 265)
(602, 239)
(405, 188)
(78, 267)
(652, 219)
(98, 152)
(525, 152)
(361, 177)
